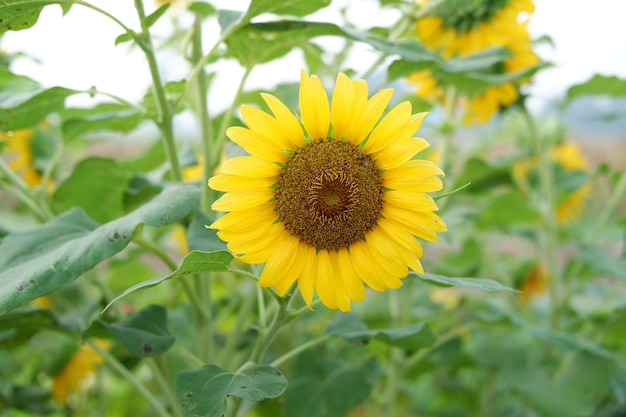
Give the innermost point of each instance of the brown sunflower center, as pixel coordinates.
(329, 194)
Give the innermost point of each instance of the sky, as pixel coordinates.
(77, 50)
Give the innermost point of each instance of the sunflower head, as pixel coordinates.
(460, 28)
(333, 202)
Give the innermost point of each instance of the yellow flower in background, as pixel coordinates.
(535, 283)
(78, 369)
(458, 28)
(16, 149)
(336, 205)
(568, 157)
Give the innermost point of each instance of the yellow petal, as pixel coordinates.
(365, 266)
(249, 166)
(228, 182)
(325, 284)
(290, 126)
(256, 144)
(237, 200)
(266, 126)
(295, 269)
(410, 201)
(389, 128)
(306, 281)
(314, 106)
(278, 266)
(422, 224)
(351, 281)
(398, 152)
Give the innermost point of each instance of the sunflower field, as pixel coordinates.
(307, 213)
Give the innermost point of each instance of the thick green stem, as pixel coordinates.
(547, 207)
(165, 113)
(128, 376)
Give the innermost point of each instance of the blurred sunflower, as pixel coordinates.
(335, 205)
(533, 284)
(77, 370)
(571, 190)
(458, 28)
(16, 149)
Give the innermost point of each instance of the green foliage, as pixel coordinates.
(203, 392)
(519, 313)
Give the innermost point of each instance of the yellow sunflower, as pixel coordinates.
(78, 369)
(334, 203)
(568, 157)
(459, 28)
(17, 150)
(535, 283)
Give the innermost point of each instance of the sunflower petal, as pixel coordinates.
(314, 106)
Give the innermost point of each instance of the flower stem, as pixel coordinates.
(121, 369)
(162, 381)
(547, 209)
(298, 349)
(164, 111)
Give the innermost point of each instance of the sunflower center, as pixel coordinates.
(329, 194)
(464, 15)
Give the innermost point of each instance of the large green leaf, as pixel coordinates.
(43, 259)
(475, 283)
(285, 7)
(509, 208)
(203, 392)
(351, 327)
(327, 386)
(97, 185)
(195, 261)
(27, 109)
(102, 117)
(263, 42)
(598, 85)
(22, 14)
(143, 333)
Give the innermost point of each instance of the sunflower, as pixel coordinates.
(332, 204)
(78, 369)
(534, 283)
(568, 160)
(16, 147)
(459, 28)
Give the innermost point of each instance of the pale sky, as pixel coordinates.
(78, 51)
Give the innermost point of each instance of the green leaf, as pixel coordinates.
(174, 93)
(351, 327)
(285, 7)
(21, 14)
(598, 85)
(483, 175)
(228, 18)
(195, 261)
(43, 259)
(154, 16)
(569, 341)
(507, 209)
(124, 37)
(144, 333)
(263, 42)
(474, 283)
(599, 262)
(200, 238)
(102, 117)
(203, 392)
(328, 386)
(23, 323)
(201, 8)
(97, 185)
(24, 104)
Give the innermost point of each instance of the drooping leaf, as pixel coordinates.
(97, 185)
(202, 8)
(102, 117)
(19, 110)
(195, 261)
(598, 85)
(285, 7)
(351, 327)
(144, 333)
(328, 386)
(21, 14)
(475, 283)
(43, 259)
(203, 392)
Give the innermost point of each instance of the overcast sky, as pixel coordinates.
(78, 51)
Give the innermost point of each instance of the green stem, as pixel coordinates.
(166, 388)
(154, 249)
(21, 190)
(164, 111)
(295, 351)
(547, 208)
(200, 91)
(204, 319)
(448, 127)
(121, 369)
(266, 339)
(228, 351)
